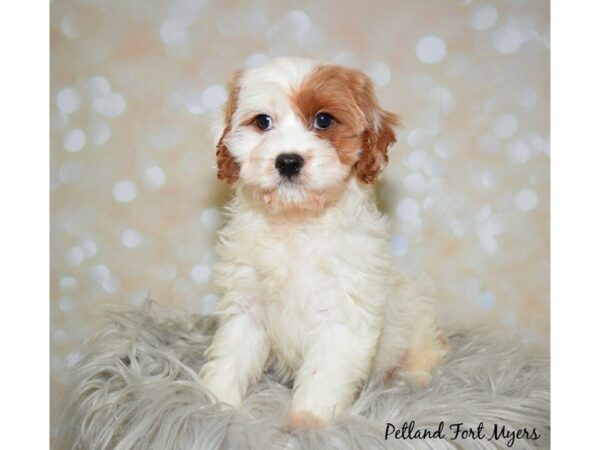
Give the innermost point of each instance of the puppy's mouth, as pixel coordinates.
(291, 186)
(293, 182)
(296, 194)
(289, 192)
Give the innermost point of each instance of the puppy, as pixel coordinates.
(310, 288)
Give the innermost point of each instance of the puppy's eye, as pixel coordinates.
(323, 121)
(264, 122)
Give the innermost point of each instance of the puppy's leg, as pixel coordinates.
(427, 346)
(236, 358)
(412, 341)
(335, 365)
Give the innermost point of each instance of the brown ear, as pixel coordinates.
(228, 169)
(377, 137)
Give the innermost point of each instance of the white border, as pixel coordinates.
(24, 235)
(575, 223)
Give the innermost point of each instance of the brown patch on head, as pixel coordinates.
(228, 169)
(362, 131)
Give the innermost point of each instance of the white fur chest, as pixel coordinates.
(306, 274)
(299, 276)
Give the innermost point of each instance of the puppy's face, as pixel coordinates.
(296, 131)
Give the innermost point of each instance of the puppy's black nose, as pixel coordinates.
(289, 164)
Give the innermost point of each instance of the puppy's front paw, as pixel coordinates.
(422, 378)
(303, 420)
(224, 389)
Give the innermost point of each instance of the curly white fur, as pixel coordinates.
(310, 288)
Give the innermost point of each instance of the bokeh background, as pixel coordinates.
(134, 197)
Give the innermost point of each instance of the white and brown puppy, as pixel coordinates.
(310, 287)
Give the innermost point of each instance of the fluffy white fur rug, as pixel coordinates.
(137, 387)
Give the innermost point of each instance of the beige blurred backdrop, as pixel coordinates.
(134, 198)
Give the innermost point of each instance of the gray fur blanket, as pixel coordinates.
(137, 387)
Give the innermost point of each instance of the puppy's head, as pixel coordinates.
(295, 131)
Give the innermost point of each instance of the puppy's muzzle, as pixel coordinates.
(289, 164)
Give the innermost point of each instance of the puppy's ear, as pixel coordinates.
(378, 135)
(228, 169)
